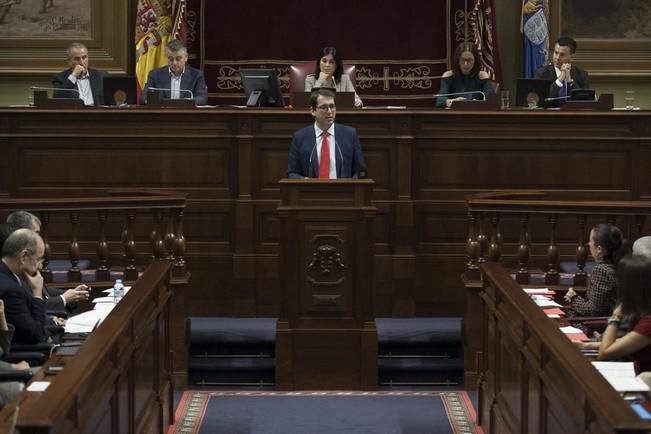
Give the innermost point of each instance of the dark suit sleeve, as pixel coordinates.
(295, 165)
(54, 301)
(358, 157)
(60, 81)
(28, 318)
(200, 90)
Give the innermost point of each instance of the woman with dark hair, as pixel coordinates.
(634, 292)
(465, 77)
(607, 246)
(329, 73)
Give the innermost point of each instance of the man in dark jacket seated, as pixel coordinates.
(21, 286)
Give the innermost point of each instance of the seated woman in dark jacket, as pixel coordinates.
(465, 77)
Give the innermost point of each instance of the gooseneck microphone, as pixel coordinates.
(54, 89)
(310, 168)
(181, 91)
(556, 98)
(461, 93)
(341, 157)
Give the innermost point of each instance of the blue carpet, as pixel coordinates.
(258, 412)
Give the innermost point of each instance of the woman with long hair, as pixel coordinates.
(329, 73)
(465, 77)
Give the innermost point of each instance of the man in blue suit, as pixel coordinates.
(177, 80)
(325, 149)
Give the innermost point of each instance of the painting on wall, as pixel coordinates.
(34, 19)
(612, 19)
(34, 34)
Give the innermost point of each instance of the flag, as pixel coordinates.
(483, 36)
(535, 34)
(156, 24)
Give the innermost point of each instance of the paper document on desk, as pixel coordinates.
(621, 375)
(86, 322)
(110, 290)
(545, 302)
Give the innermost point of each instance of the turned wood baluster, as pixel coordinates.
(130, 271)
(522, 275)
(179, 243)
(103, 271)
(169, 235)
(472, 247)
(580, 278)
(552, 277)
(45, 269)
(482, 239)
(495, 246)
(639, 224)
(158, 247)
(74, 251)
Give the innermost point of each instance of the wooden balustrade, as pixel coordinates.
(166, 212)
(535, 219)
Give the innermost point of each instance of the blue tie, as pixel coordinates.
(562, 93)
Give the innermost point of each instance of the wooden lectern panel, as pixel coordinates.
(326, 336)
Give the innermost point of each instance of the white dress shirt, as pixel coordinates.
(331, 147)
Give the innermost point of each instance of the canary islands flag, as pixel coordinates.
(535, 34)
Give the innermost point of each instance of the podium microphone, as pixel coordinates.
(461, 93)
(310, 169)
(162, 89)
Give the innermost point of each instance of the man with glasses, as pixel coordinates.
(325, 149)
(21, 286)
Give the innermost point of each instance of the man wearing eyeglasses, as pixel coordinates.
(22, 254)
(80, 81)
(325, 149)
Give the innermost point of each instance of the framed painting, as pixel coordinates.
(613, 36)
(34, 34)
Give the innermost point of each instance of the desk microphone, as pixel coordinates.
(556, 98)
(461, 93)
(54, 89)
(161, 89)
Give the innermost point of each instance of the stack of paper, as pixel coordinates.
(574, 334)
(539, 291)
(621, 375)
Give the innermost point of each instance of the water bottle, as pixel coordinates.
(118, 290)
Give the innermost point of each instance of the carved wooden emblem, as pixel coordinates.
(326, 259)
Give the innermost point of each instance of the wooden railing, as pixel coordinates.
(533, 379)
(61, 216)
(486, 240)
(530, 377)
(120, 379)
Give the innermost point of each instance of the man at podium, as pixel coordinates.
(325, 149)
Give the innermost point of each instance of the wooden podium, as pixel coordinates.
(326, 337)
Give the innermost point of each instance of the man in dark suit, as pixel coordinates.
(80, 81)
(21, 286)
(57, 299)
(308, 155)
(179, 80)
(566, 76)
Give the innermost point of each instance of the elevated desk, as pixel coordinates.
(229, 161)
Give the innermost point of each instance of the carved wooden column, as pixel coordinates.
(326, 336)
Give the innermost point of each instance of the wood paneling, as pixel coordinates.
(229, 162)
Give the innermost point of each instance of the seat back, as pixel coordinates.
(297, 74)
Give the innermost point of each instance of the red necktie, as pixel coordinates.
(324, 163)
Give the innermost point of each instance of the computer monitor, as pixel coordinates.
(119, 90)
(532, 92)
(262, 88)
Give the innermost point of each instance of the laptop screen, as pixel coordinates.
(531, 92)
(120, 90)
